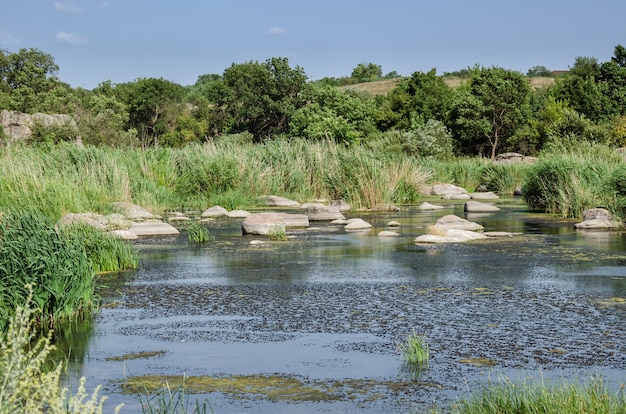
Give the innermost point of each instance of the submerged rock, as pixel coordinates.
(429, 206)
(487, 195)
(152, 228)
(357, 224)
(478, 207)
(450, 236)
(388, 233)
(263, 223)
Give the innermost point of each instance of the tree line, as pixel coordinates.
(493, 110)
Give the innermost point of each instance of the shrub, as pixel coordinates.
(25, 385)
(197, 233)
(277, 233)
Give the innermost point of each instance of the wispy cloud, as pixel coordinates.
(103, 5)
(71, 38)
(277, 31)
(67, 7)
(7, 39)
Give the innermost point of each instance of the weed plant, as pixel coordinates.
(105, 252)
(277, 233)
(34, 253)
(26, 386)
(197, 233)
(544, 397)
(171, 401)
(414, 350)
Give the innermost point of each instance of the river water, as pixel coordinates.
(311, 324)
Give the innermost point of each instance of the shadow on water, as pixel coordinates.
(312, 324)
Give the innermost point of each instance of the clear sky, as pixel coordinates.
(122, 40)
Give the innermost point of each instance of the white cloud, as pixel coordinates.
(104, 5)
(7, 39)
(276, 31)
(71, 38)
(66, 7)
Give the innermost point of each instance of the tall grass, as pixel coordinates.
(568, 181)
(544, 397)
(33, 252)
(64, 178)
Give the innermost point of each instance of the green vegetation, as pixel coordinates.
(414, 350)
(277, 233)
(544, 397)
(198, 233)
(26, 386)
(168, 400)
(34, 253)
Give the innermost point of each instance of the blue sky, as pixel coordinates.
(122, 40)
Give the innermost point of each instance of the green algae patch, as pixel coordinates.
(136, 355)
(274, 387)
(479, 362)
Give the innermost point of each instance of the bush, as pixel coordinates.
(33, 252)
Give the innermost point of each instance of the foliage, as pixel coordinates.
(153, 106)
(493, 107)
(543, 396)
(29, 83)
(430, 140)
(171, 401)
(419, 98)
(34, 252)
(53, 134)
(504, 178)
(366, 72)
(536, 71)
(26, 386)
(414, 350)
(346, 117)
(260, 98)
(103, 120)
(197, 233)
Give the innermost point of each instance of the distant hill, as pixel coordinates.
(383, 86)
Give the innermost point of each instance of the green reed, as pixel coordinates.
(198, 233)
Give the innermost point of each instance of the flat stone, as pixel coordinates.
(450, 236)
(324, 213)
(393, 224)
(276, 201)
(94, 220)
(598, 223)
(124, 234)
(132, 211)
(357, 224)
(478, 207)
(238, 214)
(446, 189)
(454, 222)
(500, 234)
(429, 206)
(153, 228)
(215, 211)
(387, 233)
(262, 223)
(488, 195)
(456, 197)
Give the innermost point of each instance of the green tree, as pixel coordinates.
(423, 96)
(260, 98)
(29, 83)
(536, 71)
(367, 72)
(494, 105)
(153, 105)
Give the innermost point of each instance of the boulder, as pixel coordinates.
(393, 223)
(276, 201)
(91, 219)
(262, 223)
(19, 125)
(152, 228)
(487, 195)
(456, 197)
(324, 213)
(124, 234)
(215, 211)
(478, 207)
(450, 236)
(454, 222)
(357, 224)
(597, 218)
(430, 207)
(513, 157)
(132, 211)
(387, 233)
(446, 190)
(238, 214)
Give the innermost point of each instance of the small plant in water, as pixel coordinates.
(414, 350)
(171, 401)
(197, 233)
(277, 233)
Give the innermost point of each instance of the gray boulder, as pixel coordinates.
(447, 190)
(341, 205)
(262, 223)
(132, 211)
(324, 213)
(215, 211)
(388, 233)
(357, 224)
(276, 201)
(430, 207)
(152, 228)
(450, 235)
(454, 222)
(597, 218)
(478, 207)
(238, 214)
(487, 195)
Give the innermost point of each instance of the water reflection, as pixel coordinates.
(330, 306)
